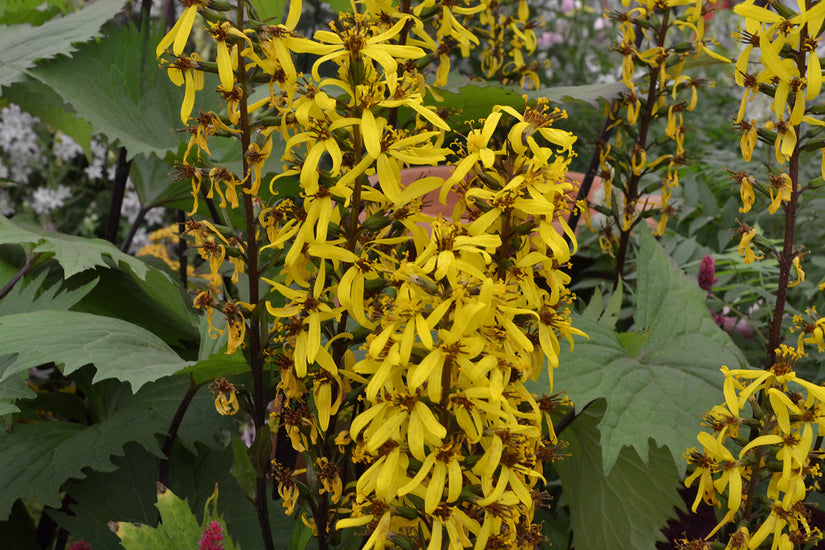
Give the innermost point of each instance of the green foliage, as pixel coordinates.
(676, 350)
(125, 494)
(152, 181)
(74, 254)
(269, 10)
(178, 527)
(472, 99)
(34, 12)
(38, 458)
(22, 45)
(118, 349)
(123, 94)
(31, 295)
(12, 389)
(625, 508)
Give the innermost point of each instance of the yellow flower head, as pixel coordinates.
(226, 398)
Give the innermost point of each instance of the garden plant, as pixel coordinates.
(286, 274)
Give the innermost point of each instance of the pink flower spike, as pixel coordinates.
(212, 538)
(707, 270)
(80, 545)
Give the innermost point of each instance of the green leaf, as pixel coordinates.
(29, 295)
(123, 93)
(475, 98)
(242, 469)
(21, 45)
(36, 459)
(19, 531)
(272, 10)
(118, 349)
(301, 535)
(126, 494)
(213, 360)
(260, 452)
(154, 185)
(623, 509)
(35, 12)
(12, 389)
(179, 527)
(75, 254)
(155, 304)
(645, 387)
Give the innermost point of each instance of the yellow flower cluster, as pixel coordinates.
(399, 341)
(663, 91)
(448, 424)
(787, 413)
(780, 60)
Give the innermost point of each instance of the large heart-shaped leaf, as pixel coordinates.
(626, 508)
(659, 379)
(118, 349)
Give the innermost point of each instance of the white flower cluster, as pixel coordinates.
(18, 140)
(44, 199)
(100, 154)
(65, 148)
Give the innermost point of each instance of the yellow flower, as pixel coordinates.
(780, 189)
(731, 472)
(705, 466)
(330, 479)
(747, 143)
(205, 301)
(179, 33)
(748, 233)
(226, 399)
(785, 142)
(256, 156)
(352, 39)
(235, 325)
(186, 71)
(310, 311)
(800, 274)
(226, 64)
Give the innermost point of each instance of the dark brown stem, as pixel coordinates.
(172, 434)
(118, 191)
(183, 267)
(256, 359)
(785, 259)
(446, 385)
(787, 254)
(19, 275)
(589, 175)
